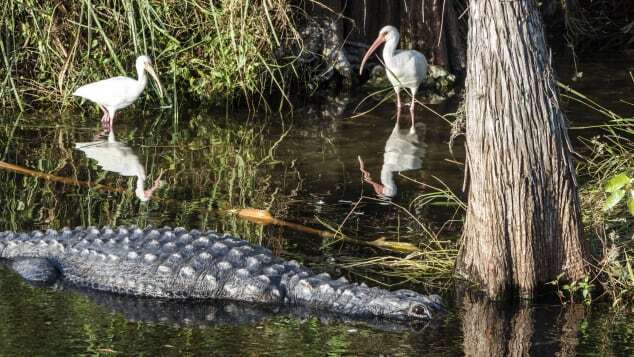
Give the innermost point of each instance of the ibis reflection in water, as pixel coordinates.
(404, 68)
(117, 93)
(115, 156)
(403, 152)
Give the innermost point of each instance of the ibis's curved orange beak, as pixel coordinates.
(150, 70)
(379, 40)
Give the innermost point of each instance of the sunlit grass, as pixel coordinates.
(215, 51)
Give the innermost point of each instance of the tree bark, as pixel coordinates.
(523, 225)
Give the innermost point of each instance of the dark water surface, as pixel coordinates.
(303, 168)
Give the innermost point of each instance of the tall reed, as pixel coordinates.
(211, 50)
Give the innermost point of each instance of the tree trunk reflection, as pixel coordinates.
(494, 329)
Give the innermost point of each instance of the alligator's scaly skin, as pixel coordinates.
(181, 264)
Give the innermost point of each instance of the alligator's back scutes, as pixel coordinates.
(176, 263)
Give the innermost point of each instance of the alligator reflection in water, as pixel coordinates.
(205, 313)
(403, 151)
(115, 156)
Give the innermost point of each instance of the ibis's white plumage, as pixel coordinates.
(404, 68)
(117, 157)
(118, 92)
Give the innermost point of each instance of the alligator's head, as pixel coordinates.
(406, 305)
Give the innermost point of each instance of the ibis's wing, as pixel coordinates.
(410, 67)
(110, 92)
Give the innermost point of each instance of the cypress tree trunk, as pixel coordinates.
(523, 225)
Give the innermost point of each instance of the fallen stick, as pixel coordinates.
(50, 177)
(264, 217)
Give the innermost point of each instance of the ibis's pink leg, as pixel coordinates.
(112, 120)
(104, 118)
(398, 104)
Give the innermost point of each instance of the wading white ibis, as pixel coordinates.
(115, 156)
(404, 68)
(117, 93)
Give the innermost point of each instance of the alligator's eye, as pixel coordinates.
(419, 311)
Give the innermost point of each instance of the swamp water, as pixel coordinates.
(304, 170)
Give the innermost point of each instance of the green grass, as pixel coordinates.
(212, 51)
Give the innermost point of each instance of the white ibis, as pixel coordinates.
(117, 93)
(115, 156)
(404, 68)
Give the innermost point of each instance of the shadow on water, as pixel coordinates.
(309, 174)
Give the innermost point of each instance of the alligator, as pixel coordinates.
(178, 264)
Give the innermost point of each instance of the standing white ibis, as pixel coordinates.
(404, 68)
(117, 93)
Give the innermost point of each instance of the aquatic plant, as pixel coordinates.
(208, 165)
(609, 226)
(215, 51)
